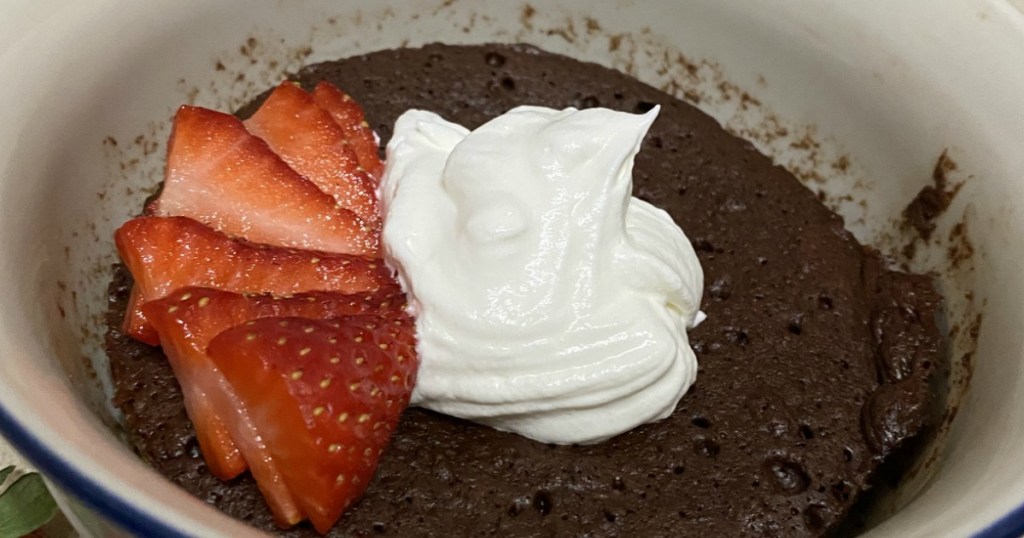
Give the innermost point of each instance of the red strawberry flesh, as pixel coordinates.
(308, 140)
(325, 396)
(349, 115)
(164, 254)
(189, 318)
(220, 174)
(302, 387)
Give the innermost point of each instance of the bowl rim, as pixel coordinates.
(1011, 524)
(139, 522)
(104, 501)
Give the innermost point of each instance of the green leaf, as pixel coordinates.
(25, 506)
(5, 472)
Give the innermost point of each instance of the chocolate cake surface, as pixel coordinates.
(816, 363)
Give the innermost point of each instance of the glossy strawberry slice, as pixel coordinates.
(189, 318)
(350, 116)
(324, 396)
(305, 137)
(219, 174)
(164, 254)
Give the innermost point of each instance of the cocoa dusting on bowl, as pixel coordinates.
(932, 201)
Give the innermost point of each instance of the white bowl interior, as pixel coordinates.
(858, 99)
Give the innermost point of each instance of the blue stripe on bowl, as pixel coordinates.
(140, 523)
(1009, 526)
(96, 497)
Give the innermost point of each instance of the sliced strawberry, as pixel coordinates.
(305, 137)
(350, 116)
(219, 174)
(324, 397)
(190, 317)
(164, 254)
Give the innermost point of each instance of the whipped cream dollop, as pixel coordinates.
(549, 302)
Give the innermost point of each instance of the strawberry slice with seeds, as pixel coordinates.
(167, 253)
(324, 396)
(308, 140)
(349, 115)
(219, 174)
(189, 318)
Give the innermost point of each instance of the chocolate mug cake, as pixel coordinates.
(817, 364)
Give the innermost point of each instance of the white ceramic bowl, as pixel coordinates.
(880, 88)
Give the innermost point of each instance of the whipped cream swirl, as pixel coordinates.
(548, 301)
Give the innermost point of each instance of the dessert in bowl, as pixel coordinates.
(897, 194)
(552, 305)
